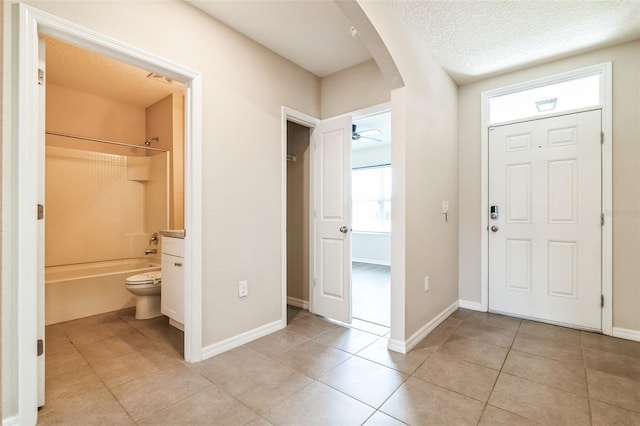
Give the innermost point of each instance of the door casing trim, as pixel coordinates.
(605, 71)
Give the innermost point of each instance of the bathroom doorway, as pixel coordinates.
(28, 233)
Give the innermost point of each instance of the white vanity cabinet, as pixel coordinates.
(172, 295)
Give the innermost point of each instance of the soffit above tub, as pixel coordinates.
(476, 39)
(80, 69)
(313, 34)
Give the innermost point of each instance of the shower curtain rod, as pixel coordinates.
(84, 138)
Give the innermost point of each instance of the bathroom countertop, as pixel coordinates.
(173, 233)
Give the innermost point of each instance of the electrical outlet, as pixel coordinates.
(243, 289)
(426, 283)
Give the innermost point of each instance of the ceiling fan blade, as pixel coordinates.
(370, 132)
(370, 138)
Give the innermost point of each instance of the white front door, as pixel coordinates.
(545, 241)
(331, 290)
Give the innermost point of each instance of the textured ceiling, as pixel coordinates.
(475, 39)
(89, 72)
(311, 33)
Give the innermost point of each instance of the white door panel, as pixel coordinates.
(545, 249)
(331, 294)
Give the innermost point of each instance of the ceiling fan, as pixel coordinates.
(364, 134)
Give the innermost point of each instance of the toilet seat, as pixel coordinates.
(145, 278)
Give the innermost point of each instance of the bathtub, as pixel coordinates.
(85, 289)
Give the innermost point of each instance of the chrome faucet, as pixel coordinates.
(154, 239)
(150, 251)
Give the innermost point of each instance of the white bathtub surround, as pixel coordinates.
(81, 290)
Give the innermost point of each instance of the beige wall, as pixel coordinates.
(626, 173)
(177, 165)
(244, 88)
(298, 212)
(352, 89)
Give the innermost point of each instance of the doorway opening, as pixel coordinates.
(371, 218)
(364, 301)
(298, 171)
(28, 182)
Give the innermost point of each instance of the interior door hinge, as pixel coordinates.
(601, 219)
(602, 300)
(40, 347)
(601, 138)
(40, 212)
(40, 77)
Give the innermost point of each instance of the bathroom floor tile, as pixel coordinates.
(104, 350)
(97, 408)
(149, 394)
(123, 369)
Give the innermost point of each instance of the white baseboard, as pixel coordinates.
(404, 347)
(240, 339)
(474, 306)
(10, 421)
(298, 303)
(371, 261)
(625, 333)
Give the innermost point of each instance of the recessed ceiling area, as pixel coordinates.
(80, 69)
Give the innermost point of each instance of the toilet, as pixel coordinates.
(146, 287)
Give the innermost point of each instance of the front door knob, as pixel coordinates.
(344, 229)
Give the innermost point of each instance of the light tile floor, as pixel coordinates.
(371, 292)
(475, 368)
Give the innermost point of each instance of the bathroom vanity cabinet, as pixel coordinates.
(172, 296)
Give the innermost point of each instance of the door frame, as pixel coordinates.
(289, 114)
(605, 72)
(21, 185)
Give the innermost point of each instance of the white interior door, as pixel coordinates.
(41, 201)
(545, 243)
(331, 290)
